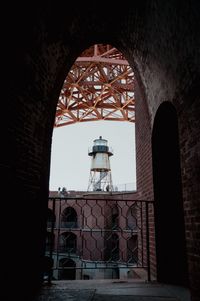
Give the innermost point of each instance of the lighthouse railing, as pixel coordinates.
(109, 149)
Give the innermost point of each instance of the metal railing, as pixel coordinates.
(125, 187)
(111, 238)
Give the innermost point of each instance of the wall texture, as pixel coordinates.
(40, 43)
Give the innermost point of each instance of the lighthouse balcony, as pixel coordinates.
(100, 149)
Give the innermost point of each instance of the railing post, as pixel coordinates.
(52, 243)
(147, 242)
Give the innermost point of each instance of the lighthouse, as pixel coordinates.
(100, 172)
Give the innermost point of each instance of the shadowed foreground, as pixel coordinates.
(108, 290)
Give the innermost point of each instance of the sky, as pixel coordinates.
(70, 163)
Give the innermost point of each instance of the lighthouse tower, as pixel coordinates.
(100, 171)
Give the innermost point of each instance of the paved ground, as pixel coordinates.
(110, 290)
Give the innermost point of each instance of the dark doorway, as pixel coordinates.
(169, 214)
(132, 249)
(115, 217)
(114, 252)
(69, 218)
(69, 269)
(115, 273)
(68, 242)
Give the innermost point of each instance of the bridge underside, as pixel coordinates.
(99, 86)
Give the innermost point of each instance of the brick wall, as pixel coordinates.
(160, 40)
(190, 155)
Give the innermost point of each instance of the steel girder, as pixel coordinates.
(99, 86)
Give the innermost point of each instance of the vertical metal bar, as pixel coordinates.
(147, 242)
(81, 227)
(82, 256)
(141, 227)
(52, 230)
(58, 236)
(52, 242)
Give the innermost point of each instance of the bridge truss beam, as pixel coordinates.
(99, 86)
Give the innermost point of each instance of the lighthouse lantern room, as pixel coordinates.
(100, 172)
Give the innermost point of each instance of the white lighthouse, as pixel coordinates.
(100, 171)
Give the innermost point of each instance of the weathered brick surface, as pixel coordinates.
(161, 42)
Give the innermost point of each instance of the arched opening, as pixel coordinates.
(115, 217)
(98, 88)
(68, 242)
(169, 215)
(132, 218)
(69, 269)
(97, 91)
(69, 218)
